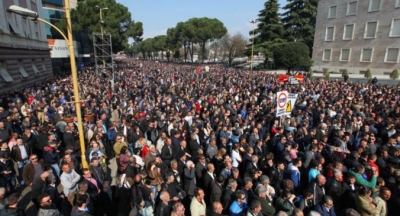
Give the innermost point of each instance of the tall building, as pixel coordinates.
(24, 52)
(357, 35)
(53, 12)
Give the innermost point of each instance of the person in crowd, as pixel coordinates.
(33, 170)
(12, 207)
(47, 207)
(325, 208)
(239, 204)
(69, 179)
(364, 201)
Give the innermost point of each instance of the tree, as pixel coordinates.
(326, 73)
(345, 73)
(117, 21)
(205, 29)
(299, 21)
(394, 75)
(269, 27)
(233, 46)
(292, 54)
(310, 72)
(160, 44)
(368, 74)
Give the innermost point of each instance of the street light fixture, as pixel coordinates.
(32, 14)
(252, 46)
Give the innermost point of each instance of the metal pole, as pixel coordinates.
(102, 37)
(75, 84)
(252, 48)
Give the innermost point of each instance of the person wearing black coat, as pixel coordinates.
(228, 195)
(163, 208)
(276, 176)
(105, 202)
(167, 152)
(189, 179)
(216, 189)
(93, 185)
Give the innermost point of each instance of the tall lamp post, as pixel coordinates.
(32, 14)
(252, 46)
(101, 30)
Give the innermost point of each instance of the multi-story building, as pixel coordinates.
(357, 35)
(53, 12)
(24, 52)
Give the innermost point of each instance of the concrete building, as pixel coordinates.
(24, 52)
(357, 35)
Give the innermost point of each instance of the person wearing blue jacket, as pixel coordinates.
(294, 172)
(325, 208)
(239, 206)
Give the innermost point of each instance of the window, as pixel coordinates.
(395, 28)
(44, 65)
(345, 54)
(36, 29)
(35, 70)
(330, 33)
(348, 32)
(374, 5)
(332, 12)
(12, 24)
(327, 55)
(366, 55)
(370, 29)
(392, 55)
(4, 74)
(397, 3)
(22, 69)
(25, 27)
(352, 8)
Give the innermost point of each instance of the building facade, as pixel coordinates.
(357, 35)
(24, 52)
(53, 12)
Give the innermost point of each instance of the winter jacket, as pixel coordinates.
(237, 210)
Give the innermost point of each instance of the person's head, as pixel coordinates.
(2, 193)
(210, 168)
(33, 158)
(164, 196)
(124, 150)
(44, 200)
(360, 169)
(13, 199)
(280, 165)
(44, 175)
(264, 180)
(199, 193)
(297, 162)
(327, 201)
(82, 201)
(86, 173)
(255, 206)
(179, 209)
(385, 193)
(169, 177)
(248, 183)
(174, 164)
(94, 162)
(106, 186)
(217, 207)
(338, 174)
(261, 191)
(240, 197)
(364, 191)
(321, 180)
(66, 168)
(351, 179)
(232, 184)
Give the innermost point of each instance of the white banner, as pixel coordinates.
(59, 48)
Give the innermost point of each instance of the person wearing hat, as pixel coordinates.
(12, 207)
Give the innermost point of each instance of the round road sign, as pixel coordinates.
(282, 99)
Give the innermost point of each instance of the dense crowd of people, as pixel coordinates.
(170, 139)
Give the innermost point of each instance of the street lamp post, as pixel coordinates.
(32, 14)
(101, 30)
(252, 46)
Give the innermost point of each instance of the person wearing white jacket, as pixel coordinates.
(69, 179)
(198, 206)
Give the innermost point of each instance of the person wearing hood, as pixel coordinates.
(239, 206)
(81, 206)
(46, 206)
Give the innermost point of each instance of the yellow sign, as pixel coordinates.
(288, 107)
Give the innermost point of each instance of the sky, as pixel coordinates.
(159, 15)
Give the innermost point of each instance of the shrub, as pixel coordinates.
(310, 72)
(368, 74)
(345, 72)
(394, 75)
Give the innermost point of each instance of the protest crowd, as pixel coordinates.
(170, 139)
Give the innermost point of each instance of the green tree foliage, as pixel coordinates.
(310, 72)
(269, 27)
(292, 54)
(205, 29)
(394, 75)
(368, 74)
(299, 21)
(117, 21)
(345, 72)
(234, 46)
(326, 73)
(160, 44)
